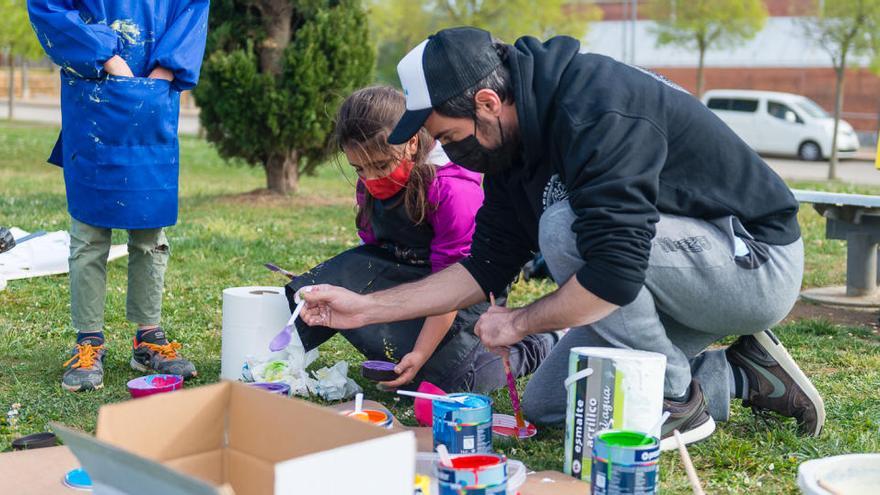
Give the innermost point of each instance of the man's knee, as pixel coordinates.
(542, 408)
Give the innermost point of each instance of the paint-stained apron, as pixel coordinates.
(119, 150)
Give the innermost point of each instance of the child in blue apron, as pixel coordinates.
(123, 66)
(415, 217)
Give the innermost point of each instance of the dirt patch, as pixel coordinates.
(262, 197)
(837, 315)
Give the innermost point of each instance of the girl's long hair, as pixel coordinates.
(364, 121)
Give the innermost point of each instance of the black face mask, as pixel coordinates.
(472, 155)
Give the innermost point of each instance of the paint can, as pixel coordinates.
(378, 418)
(625, 463)
(277, 388)
(609, 388)
(473, 474)
(464, 428)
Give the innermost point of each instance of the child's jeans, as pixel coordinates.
(148, 253)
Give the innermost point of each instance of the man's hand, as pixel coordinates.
(408, 367)
(161, 73)
(335, 307)
(501, 327)
(117, 66)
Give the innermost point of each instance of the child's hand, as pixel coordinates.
(161, 73)
(408, 367)
(117, 66)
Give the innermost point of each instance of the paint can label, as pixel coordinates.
(464, 428)
(619, 469)
(595, 403)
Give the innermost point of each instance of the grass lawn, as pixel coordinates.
(223, 239)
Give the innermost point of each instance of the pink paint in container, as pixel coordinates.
(154, 384)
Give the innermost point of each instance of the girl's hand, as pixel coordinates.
(408, 367)
(161, 73)
(117, 66)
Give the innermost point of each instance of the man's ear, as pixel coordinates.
(488, 101)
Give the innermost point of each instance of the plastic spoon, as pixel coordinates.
(441, 398)
(445, 458)
(283, 338)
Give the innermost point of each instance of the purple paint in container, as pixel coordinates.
(378, 371)
(276, 388)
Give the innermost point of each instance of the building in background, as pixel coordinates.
(780, 58)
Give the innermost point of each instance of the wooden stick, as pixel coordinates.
(688, 465)
(828, 487)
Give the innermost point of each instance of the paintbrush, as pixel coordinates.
(688, 465)
(511, 385)
(278, 269)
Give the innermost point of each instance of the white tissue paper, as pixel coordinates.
(334, 383)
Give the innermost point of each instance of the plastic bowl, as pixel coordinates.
(853, 474)
(424, 408)
(277, 388)
(154, 384)
(35, 441)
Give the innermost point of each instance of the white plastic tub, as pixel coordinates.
(853, 474)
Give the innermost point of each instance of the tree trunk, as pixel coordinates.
(282, 173)
(838, 109)
(276, 16)
(701, 77)
(25, 84)
(11, 95)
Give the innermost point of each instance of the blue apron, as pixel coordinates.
(118, 144)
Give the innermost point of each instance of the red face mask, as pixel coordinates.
(391, 184)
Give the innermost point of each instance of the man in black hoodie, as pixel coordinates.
(664, 231)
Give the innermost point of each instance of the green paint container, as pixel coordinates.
(625, 463)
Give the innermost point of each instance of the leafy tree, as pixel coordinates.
(401, 24)
(705, 24)
(844, 29)
(274, 73)
(17, 40)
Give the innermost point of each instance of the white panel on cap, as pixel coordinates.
(412, 79)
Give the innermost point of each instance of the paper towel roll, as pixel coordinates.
(252, 316)
(609, 388)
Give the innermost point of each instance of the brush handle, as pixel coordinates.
(422, 395)
(688, 465)
(514, 395)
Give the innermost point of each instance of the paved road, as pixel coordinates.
(50, 113)
(853, 171)
(850, 171)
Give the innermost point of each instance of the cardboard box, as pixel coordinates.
(230, 438)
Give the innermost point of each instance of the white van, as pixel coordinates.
(781, 123)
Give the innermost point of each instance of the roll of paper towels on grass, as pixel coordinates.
(609, 388)
(251, 317)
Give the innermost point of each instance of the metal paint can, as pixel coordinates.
(473, 474)
(625, 463)
(464, 428)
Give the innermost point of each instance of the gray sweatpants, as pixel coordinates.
(695, 293)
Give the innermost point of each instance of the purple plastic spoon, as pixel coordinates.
(281, 340)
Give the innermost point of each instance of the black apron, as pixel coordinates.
(401, 256)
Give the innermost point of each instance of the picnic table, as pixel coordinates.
(854, 218)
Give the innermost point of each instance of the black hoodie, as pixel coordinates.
(626, 145)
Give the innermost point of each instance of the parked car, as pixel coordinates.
(781, 123)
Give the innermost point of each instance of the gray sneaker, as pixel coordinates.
(85, 368)
(153, 353)
(691, 418)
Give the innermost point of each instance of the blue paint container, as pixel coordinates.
(473, 474)
(625, 463)
(78, 479)
(464, 428)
